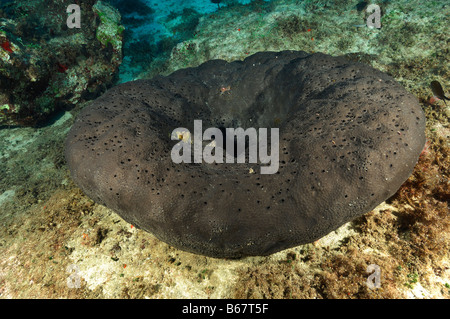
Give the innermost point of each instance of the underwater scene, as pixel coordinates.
(224, 149)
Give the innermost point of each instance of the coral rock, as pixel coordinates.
(45, 66)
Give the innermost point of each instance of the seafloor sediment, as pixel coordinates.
(57, 243)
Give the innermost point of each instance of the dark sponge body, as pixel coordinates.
(349, 137)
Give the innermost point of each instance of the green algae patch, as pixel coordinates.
(110, 30)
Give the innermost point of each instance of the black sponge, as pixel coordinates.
(349, 137)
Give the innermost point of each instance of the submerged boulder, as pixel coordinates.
(349, 136)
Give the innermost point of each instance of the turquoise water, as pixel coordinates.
(157, 25)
